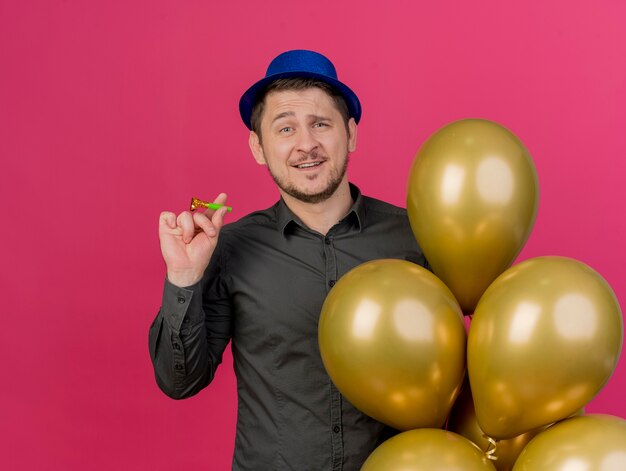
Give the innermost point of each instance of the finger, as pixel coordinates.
(168, 218)
(220, 199)
(202, 221)
(185, 222)
(218, 218)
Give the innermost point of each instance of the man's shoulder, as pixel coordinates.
(251, 222)
(382, 207)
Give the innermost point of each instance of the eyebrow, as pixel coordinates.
(285, 114)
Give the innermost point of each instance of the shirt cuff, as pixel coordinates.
(178, 304)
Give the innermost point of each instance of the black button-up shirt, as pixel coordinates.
(264, 289)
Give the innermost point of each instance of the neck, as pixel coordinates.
(322, 216)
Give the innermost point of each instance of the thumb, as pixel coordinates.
(218, 218)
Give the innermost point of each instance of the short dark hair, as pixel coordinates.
(296, 83)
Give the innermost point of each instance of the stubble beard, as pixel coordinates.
(333, 183)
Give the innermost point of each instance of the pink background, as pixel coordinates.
(113, 111)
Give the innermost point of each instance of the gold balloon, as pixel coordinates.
(545, 338)
(472, 201)
(427, 450)
(505, 452)
(463, 421)
(393, 341)
(589, 443)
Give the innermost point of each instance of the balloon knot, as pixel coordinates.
(491, 449)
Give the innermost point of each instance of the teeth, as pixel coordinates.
(312, 164)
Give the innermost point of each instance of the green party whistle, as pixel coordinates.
(197, 203)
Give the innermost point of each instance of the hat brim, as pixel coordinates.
(248, 99)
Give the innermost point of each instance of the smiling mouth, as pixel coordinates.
(309, 164)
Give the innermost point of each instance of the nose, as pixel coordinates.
(306, 140)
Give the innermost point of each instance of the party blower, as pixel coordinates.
(198, 203)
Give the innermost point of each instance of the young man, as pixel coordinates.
(262, 280)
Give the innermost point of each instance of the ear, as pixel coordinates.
(257, 149)
(351, 135)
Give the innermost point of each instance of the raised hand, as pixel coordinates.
(188, 241)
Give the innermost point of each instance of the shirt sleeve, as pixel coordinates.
(190, 332)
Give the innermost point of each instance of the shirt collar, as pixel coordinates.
(285, 218)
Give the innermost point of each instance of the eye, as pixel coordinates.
(320, 124)
(285, 130)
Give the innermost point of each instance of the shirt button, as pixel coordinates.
(331, 283)
(326, 240)
(181, 300)
(178, 366)
(176, 346)
(336, 429)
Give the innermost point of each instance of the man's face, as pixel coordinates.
(305, 143)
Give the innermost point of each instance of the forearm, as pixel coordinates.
(184, 360)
